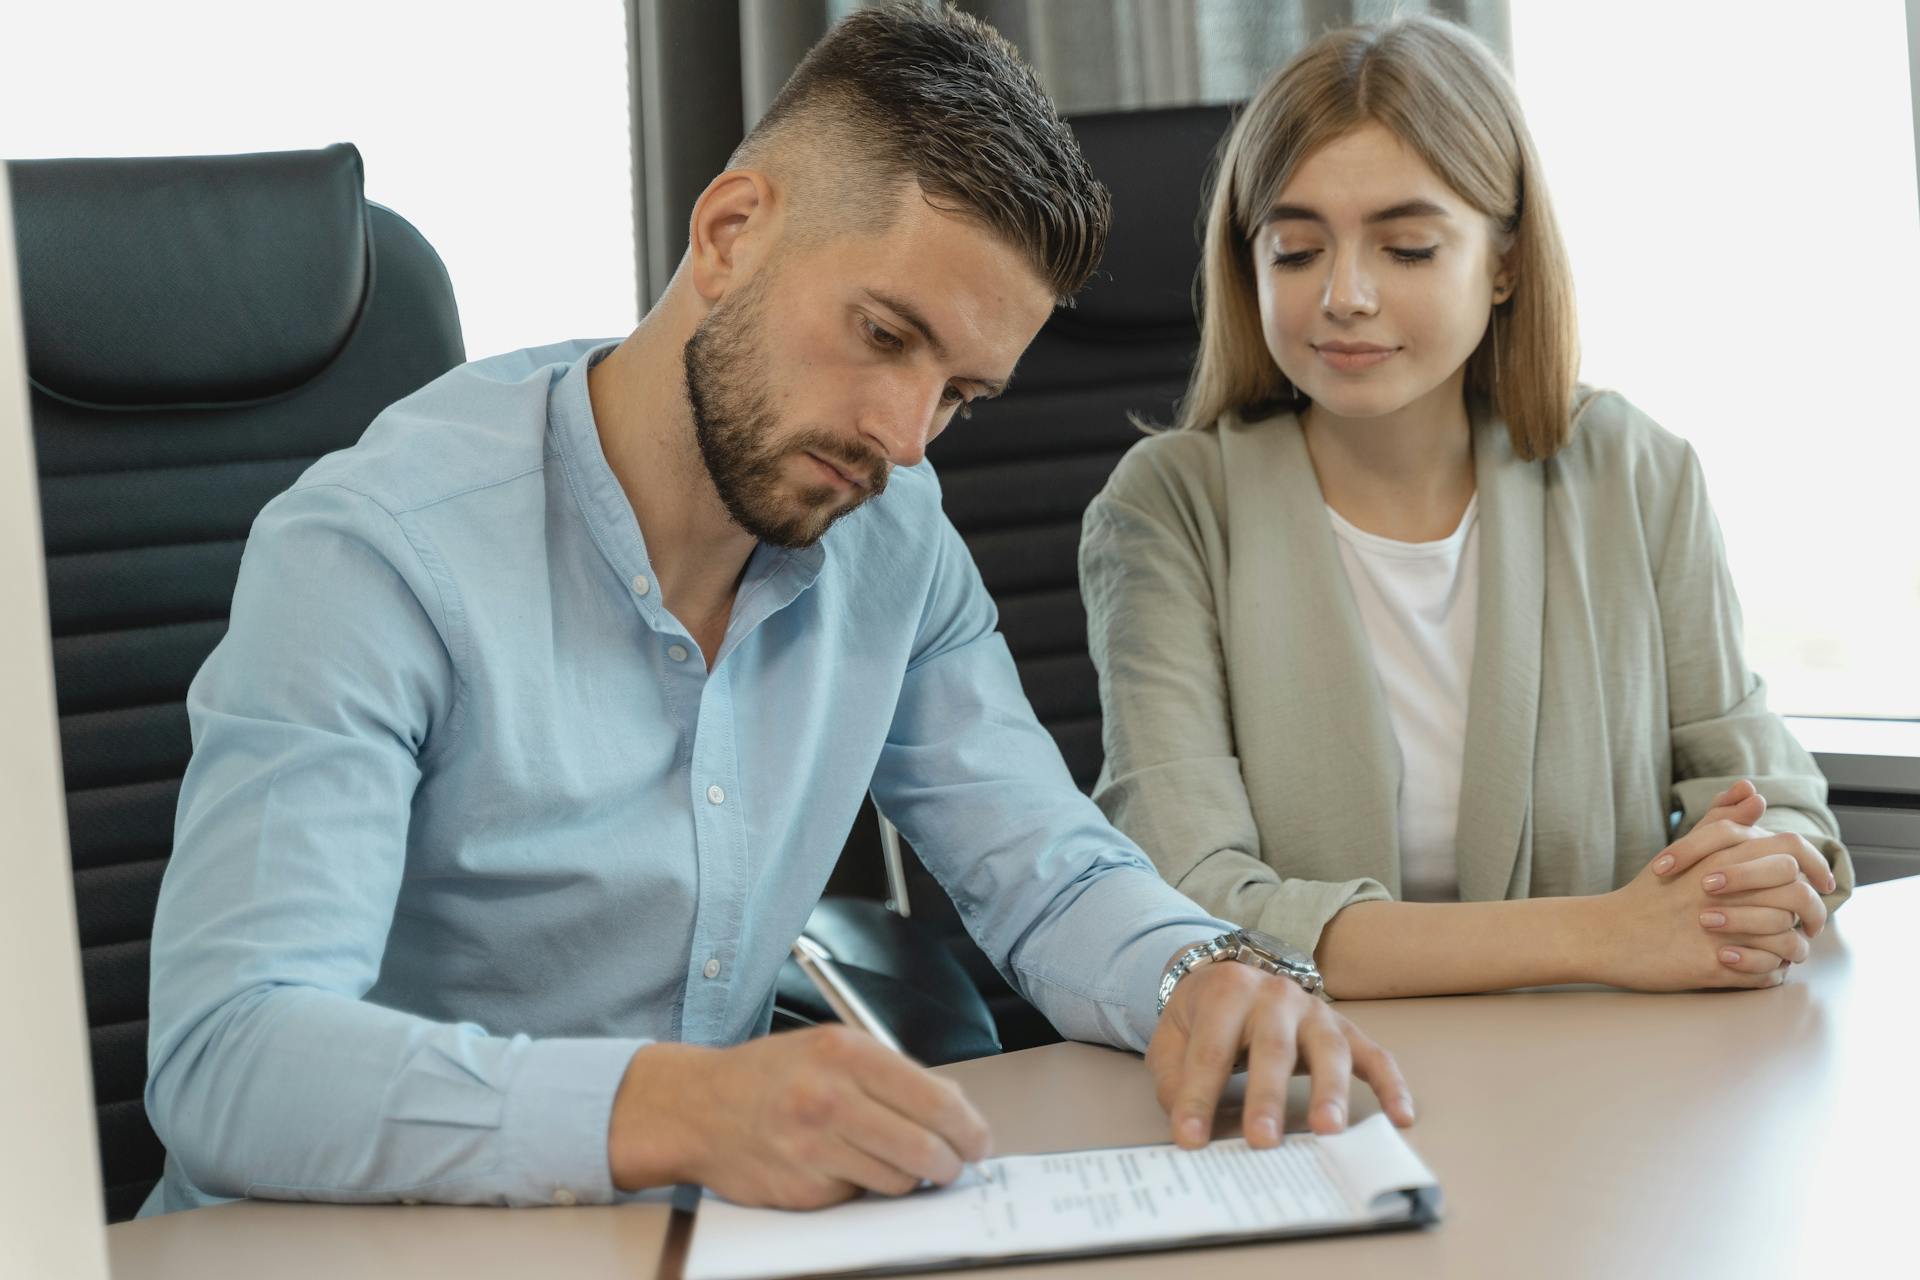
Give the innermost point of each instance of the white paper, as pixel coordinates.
(1075, 1202)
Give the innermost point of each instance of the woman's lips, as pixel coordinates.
(1351, 357)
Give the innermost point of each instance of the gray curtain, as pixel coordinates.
(705, 70)
(1105, 55)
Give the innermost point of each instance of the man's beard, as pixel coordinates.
(733, 421)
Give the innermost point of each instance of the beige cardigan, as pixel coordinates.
(1248, 749)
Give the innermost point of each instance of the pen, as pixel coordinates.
(856, 1012)
(838, 993)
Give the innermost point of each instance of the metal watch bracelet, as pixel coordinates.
(1274, 957)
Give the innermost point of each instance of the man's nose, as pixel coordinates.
(902, 422)
(1349, 290)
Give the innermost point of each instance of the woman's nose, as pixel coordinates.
(1349, 289)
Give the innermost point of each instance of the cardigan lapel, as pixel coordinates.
(1496, 782)
(1310, 721)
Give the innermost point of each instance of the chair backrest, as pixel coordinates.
(198, 330)
(1018, 477)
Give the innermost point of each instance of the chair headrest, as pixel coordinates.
(190, 280)
(1155, 162)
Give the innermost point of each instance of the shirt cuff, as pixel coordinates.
(1147, 965)
(554, 1133)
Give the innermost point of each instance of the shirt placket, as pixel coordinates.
(720, 838)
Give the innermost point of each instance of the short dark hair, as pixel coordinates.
(938, 96)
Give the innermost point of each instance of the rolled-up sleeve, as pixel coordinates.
(269, 1074)
(1721, 726)
(1065, 906)
(1172, 779)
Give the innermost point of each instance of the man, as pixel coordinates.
(546, 709)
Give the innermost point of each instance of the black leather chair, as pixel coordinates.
(1019, 475)
(198, 331)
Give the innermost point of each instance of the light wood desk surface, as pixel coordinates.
(1576, 1133)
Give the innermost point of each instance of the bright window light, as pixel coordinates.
(498, 129)
(1736, 185)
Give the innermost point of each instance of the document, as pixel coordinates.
(1116, 1200)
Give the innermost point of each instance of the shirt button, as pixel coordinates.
(716, 796)
(640, 584)
(678, 652)
(711, 968)
(564, 1198)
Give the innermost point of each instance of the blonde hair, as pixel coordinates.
(1442, 93)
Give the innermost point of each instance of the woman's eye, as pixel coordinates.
(1407, 257)
(881, 338)
(1294, 261)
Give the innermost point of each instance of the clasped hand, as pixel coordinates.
(1729, 904)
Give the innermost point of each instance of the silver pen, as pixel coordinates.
(848, 1006)
(839, 993)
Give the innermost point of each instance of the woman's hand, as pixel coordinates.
(1742, 806)
(1763, 902)
(1727, 905)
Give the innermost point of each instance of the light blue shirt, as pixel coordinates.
(469, 821)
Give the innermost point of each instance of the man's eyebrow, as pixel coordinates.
(1405, 209)
(911, 314)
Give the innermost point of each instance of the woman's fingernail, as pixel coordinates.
(1265, 1129)
(1712, 919)
(1333, 1113)
(1663, 864)
(1832, 884)
(1729, 956)
(1714, 883)
(1192, 1130)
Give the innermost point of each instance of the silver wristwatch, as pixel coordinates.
(1249, 946)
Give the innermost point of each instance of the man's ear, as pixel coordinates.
(731, 231)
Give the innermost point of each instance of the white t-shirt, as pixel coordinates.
(1417, 602)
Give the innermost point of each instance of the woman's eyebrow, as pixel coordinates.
(1405, 209)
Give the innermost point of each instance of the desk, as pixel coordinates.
(1577, 1133)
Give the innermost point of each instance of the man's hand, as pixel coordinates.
(1226, 1011)
(796, 1121)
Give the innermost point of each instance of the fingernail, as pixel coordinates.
(1832, 884)
(1714, 883)
(1406, 1109)
(1663, 864)
(1333, 1113)
(1729, 956)
(1712, 919)
(1191, 1130)
(1265, 1129)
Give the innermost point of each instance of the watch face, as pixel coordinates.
(1284, 953)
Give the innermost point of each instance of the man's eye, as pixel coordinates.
(881, 338)
(954, 398)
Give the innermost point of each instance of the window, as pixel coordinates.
(1736, 185)
(500, 132)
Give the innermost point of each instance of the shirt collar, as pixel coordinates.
(774, 576)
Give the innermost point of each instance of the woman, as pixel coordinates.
(1409, 647)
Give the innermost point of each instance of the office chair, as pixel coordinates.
(199, 330)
